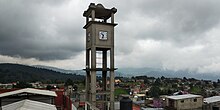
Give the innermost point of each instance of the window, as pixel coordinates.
(182, 101)
(195, 100)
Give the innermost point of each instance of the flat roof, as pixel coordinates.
(212, 99)
(30, 90)
(140, 95)
(185, 96)
(29, 105)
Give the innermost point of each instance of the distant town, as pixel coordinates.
(144, 91)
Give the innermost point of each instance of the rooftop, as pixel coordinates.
(212, 99)
(185, 96)
(29, 105)
(30, 90)
(140, 95)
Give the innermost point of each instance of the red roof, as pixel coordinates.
(7, 90)
(136, 107)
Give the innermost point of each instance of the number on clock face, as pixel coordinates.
(103, 35)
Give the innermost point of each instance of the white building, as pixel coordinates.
(184, 102)
(27, 96)
(212, 103)
(29, 105)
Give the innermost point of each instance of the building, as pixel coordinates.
(27, 96)
(184, 102)
(29, 105)
(212, 103)
(139, 97)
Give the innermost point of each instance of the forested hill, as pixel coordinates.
(16, 72)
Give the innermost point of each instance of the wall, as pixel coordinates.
(40, 98)
(189, 103)
(211, 105)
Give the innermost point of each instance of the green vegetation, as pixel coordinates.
(195, 90)
(22, 85)
(119, 91)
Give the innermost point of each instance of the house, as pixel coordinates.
(16, 96)
(29, 105)
(63, 101)
(212, 103)
(184, 102)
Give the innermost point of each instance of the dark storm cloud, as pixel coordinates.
(182, 22)
(39, 29)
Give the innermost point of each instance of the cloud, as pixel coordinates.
(175, 35)
(76, 62)
(41, 30)
(180, 22)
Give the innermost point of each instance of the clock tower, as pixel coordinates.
(100, 56)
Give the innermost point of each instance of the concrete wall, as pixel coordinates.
(211, 105)
(191, 103)
(40, 98)
(94, 30)
(185, 104)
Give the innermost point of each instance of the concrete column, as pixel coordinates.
(0, 104)
(88, 81)
(112, 18)
(104, 73)
(87, 20)
(112, 79)
(88, 77)
(86, 106)
(93, 75)
(93, 15)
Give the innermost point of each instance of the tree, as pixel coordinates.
(22, 84)
(154, 92)
(215, 84)
(184, 78)
(49, 87)
(174, 85)
(162, 78)
(157, 82)
(69, 82)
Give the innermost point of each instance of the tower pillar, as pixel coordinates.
(93, 75)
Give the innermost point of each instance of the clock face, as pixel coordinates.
(103, 35)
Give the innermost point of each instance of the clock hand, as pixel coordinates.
(102, 35)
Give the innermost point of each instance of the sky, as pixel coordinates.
(166, 34)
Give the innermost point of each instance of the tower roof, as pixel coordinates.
(100, 11)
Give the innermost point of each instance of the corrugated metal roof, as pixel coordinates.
(212, 99)
(30, 90)
(29, 105)
(185, 96)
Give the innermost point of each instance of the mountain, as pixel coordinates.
(78, 72)
(17, 72)
(156, 72)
